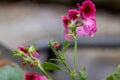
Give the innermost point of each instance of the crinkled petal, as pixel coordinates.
(35, 54)
(21, 48)
(65, 22)
(73, 14)
(68, 36)
(80, 31)
(90, 26)
(32, 77)
(35, 77)
(87, 9)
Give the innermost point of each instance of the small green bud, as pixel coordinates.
(32, 49)
(73, 74)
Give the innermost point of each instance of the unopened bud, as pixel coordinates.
(56, 45)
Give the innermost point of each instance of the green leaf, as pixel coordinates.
(109, 77)
(50, 66)
(11, 73)
(117, 70)
(54, 60)
(65, 46)
(115, 75)
(82, 74)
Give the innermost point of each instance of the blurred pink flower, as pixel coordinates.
(88, 27)
(80, 31)
(73, 14)
(43, 78)
(35, 54)
(87, 9)
(21, 48)
(34, 77)
(68, 36)
(65, 22)
(83, 21)
(31, 65)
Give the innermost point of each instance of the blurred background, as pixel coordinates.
(37, 21)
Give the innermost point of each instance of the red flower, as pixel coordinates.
(83, 21)
(34, 77)
(65, 22)
(87, 9)
(21, 48)
(73, 14)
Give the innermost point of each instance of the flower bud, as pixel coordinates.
(35, 54)
(56, 45)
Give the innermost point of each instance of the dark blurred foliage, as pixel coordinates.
(110, 5)
(10, 0)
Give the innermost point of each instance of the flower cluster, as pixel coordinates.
(26, 50)
(80, 22)
(28, 53)
(30, 56)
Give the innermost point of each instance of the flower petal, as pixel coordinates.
(88, 9)
(90, 26)
(73, 14)
(68, 36)
(80, 31)
(65, 22)
(35, 54)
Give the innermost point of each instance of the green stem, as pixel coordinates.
(73, 78)
(69, 70)
(43, 71)
(67, 67)
(40, 67)
(75, 53)
(56, 53)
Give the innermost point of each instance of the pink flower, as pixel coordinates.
(34, 77)
(31, 65)
(35, 54)
(88, 28)
(80, 31)
(21, 48)
(81, 22)
(43, 78)
(65, 22)
(87, 9)
(73, 14)
(68, 36)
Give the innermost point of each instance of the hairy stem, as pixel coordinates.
(75, 54)
(43, 71)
